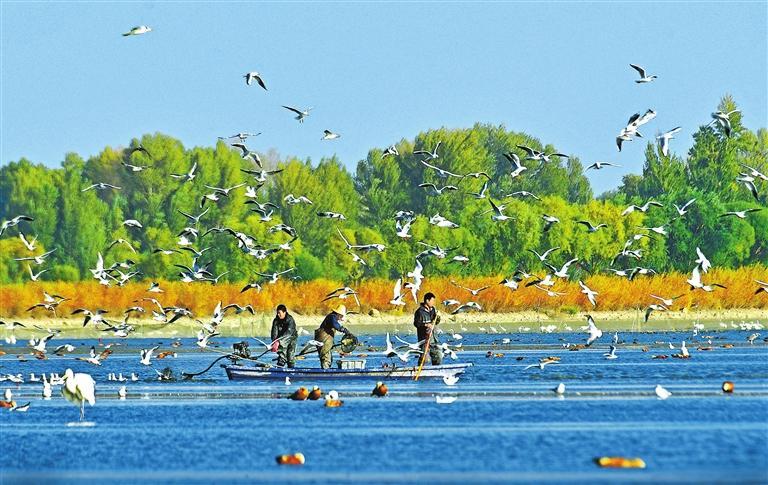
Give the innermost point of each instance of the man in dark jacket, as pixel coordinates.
(425, 319)
(284, 337)
(328, 328)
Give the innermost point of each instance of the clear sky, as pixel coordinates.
(374, 72)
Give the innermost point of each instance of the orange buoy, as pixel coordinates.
(163, 355)
(292, 459)
(380, 390)
(728, 387)
(315, 394)
(619, 462)
(299, 394)
(332, 400)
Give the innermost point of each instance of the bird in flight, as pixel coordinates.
(254, 76)
(300, 114)
(139, 30)
(644, 77)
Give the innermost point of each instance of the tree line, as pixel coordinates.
(81, 224)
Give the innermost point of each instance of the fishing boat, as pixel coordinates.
(266, 372)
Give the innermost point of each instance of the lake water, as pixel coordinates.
(506, 425)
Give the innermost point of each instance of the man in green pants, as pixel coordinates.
(331, 323)
(425, 319)
(284, 337)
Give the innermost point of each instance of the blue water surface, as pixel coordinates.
(507, 425)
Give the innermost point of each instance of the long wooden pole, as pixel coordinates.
(424, 356)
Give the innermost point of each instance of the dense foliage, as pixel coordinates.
(79, 225)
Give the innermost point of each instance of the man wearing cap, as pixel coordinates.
(424, 320)
(326, 332)
(284, 336)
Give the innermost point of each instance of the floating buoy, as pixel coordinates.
(7, 404)
(292, 459)
(728, 387)
(315, 394)
(662, 357)
(380, 390)
(332, 400)
(619, 462)
(299, 394)
(727, 346)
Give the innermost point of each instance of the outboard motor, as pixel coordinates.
(240, 350)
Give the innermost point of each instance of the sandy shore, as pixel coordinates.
(259, 325)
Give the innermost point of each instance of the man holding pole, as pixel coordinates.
(284, 336)
(424, 320)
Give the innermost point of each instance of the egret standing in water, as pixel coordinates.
(79, 388)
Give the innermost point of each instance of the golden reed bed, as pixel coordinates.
(615, 294)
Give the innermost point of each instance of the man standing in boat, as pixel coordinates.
(425, 319)
(331, 324)
(284, 337)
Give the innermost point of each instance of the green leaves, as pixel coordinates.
(79, 224)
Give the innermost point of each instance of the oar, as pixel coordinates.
(423, 356)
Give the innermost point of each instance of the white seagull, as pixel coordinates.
(139, 30)
(329, 135)
(681, 211)
(146, 356)
(397, 295)
(254, 76)
(300, 114)
(664, 139)
(661, 392)
(644, 78)
(594, 332)
(590, 294)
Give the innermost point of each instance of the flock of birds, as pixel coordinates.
(80, 387)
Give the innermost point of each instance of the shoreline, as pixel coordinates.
(379, 323)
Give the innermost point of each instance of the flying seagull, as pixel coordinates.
(696, 283)
(14, 222)
(594, 332)
(755, 173)
(101, 186)
(634, 123)
(590, 294)
(724, 120)
(590, 227)
(390, 150)
(242, 136)
(664, 139)
(186, 177)
(300, 114)
(435, 191)
(515, 161)
(741, 214)
(141, 29)
(644, 78)
(681, 211)
(498, 215)
(254, 76)
(430, 155)
(543, 257)
(601, 165)
(329, 135)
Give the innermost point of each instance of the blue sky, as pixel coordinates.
(374, 72)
